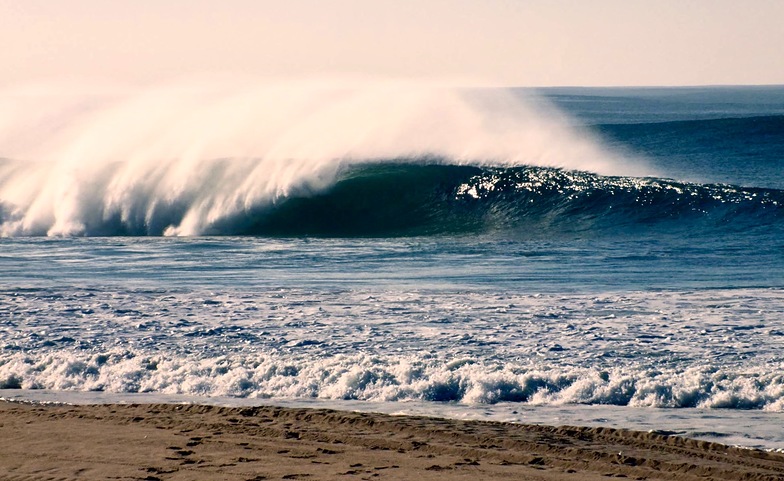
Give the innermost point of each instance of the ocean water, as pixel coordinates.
(571, 255)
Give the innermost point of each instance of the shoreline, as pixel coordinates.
(196, 441)
(755, 429)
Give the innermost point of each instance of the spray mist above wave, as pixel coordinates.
(180, 159)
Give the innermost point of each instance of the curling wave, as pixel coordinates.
(214, 158)
(406, 198)
(400, 199)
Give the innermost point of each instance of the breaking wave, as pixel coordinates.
(374, 378)
(215, 158)
(400, 199)
(427, 197)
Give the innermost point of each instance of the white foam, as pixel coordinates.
(392, 379)
(674, 350)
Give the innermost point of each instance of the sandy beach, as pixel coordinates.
(195, 442)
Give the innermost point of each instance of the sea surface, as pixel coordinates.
(604, 256)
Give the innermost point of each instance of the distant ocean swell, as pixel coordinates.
(407, 197)
(391, 379)
(759, 135)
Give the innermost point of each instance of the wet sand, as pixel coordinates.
(195, 442)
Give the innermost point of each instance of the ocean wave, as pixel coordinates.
(353, 159)
(192, 158)
(427, 196)
(374, 378)
(402, 199)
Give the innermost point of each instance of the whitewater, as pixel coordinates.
(590, 256)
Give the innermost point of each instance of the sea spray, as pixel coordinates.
(180, 158)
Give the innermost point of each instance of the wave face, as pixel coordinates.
(212, 157)
(399, 199)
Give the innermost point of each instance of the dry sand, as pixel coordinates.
(194, 442)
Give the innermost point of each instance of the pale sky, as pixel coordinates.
(499, 42)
